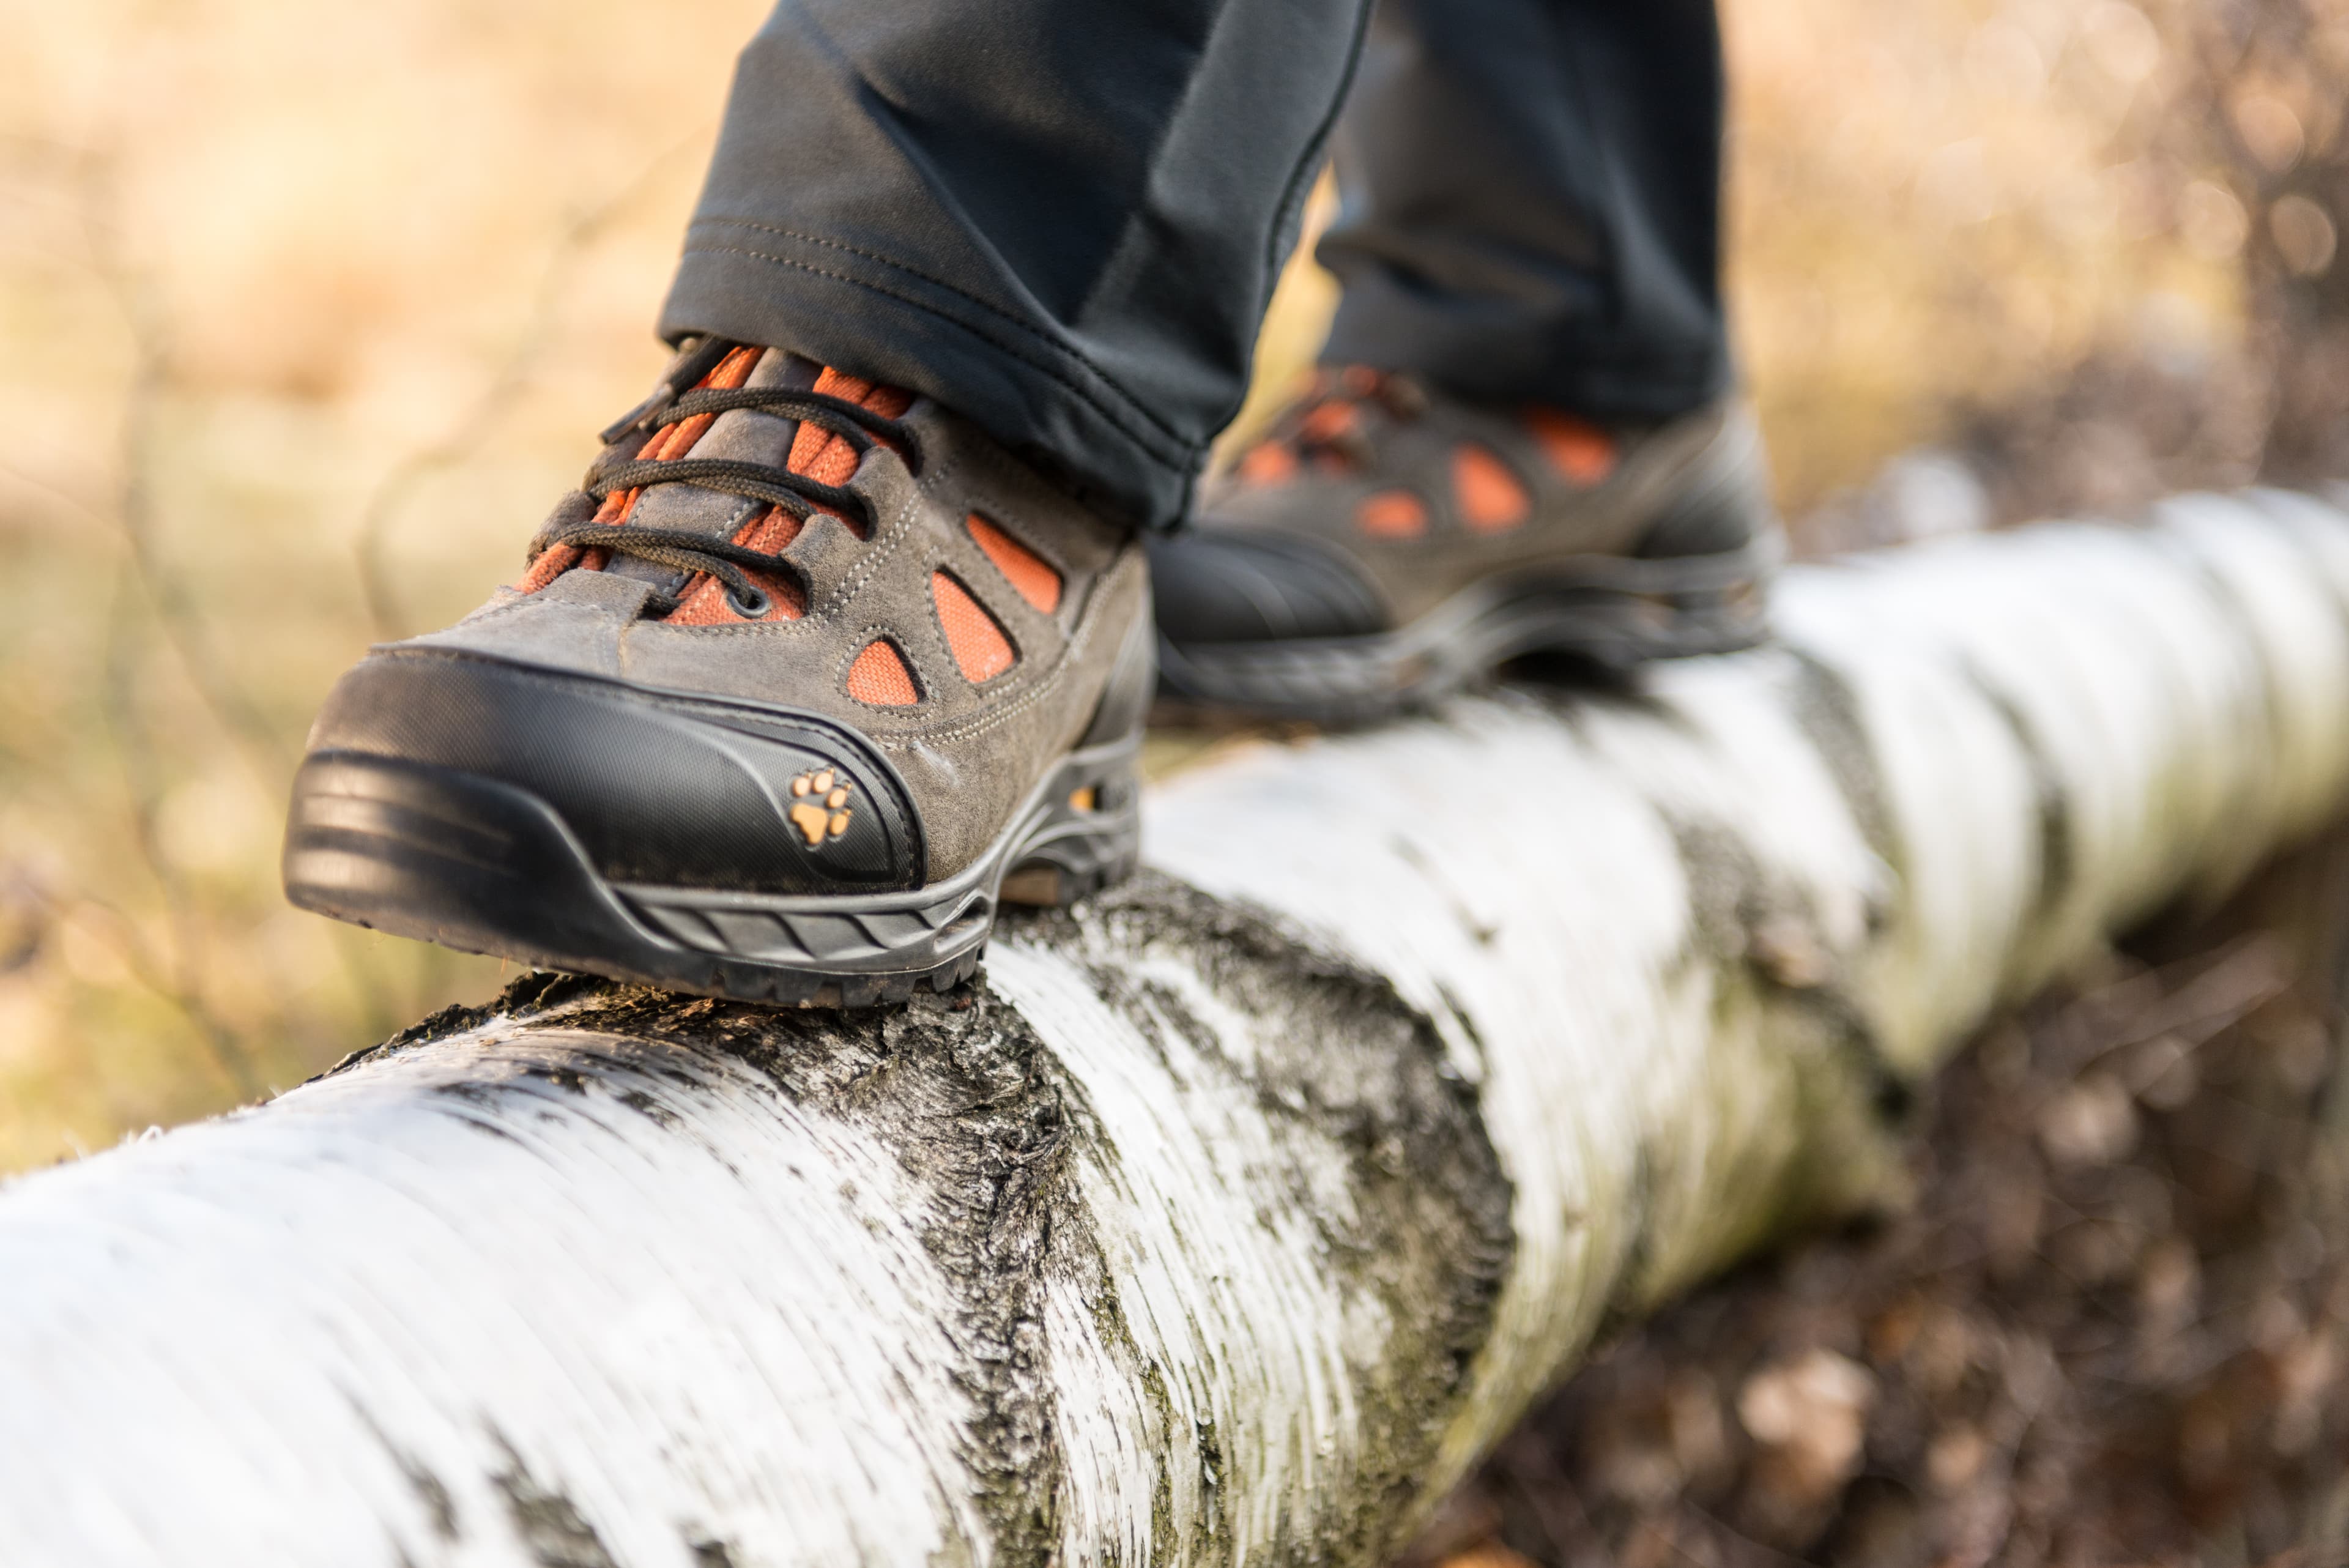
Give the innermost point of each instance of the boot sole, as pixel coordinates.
(444, 856)
(1616, 612)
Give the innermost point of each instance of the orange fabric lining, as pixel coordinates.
(1036, 581)
(1490, 497)
(1332, 401)
(827, 457)
(880, 677)
(1271, 464)
(1582, 451)
(821, 456)
(1329, 421)
(980, 650)
(1393, 514)
(661, 445)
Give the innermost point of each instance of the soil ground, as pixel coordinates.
(2113, 1329)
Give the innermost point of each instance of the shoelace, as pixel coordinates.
(795, 494)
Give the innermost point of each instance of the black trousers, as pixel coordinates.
(1064, 218)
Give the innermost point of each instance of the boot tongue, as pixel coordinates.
(744, 435)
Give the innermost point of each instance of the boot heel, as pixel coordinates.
(1087, 831)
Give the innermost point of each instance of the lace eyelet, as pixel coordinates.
(753, 607)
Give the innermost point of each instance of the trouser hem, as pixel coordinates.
(872, 317)
(1604, 380)
(1628, 390)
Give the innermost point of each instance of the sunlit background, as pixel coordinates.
(306, 315)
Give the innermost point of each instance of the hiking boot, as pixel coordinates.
(808, 677)
(1387, 544)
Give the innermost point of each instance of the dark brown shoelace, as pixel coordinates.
(795, 494)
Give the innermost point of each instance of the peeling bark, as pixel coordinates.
(1233, 1214)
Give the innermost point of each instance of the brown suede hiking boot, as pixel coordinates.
(808, 676)
(1385, 544)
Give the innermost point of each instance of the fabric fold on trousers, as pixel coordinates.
(1064, 219)
(1531, 201)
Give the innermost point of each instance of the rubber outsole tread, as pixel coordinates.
(1354, 680)
(355, 851)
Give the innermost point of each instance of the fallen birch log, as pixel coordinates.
(1233, 1215)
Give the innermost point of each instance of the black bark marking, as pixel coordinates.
(2058, 837)
(569, 1079)
(1410, 854)
(1828, 712)
(1468, 1030)
(962, 1094)
(1341, 1059)
(650, 1107)
(990, 1141)
(440, 1506)
(1733, 902)
(1745, 922)
(551, 1527)
(986, 1123)
(532, 992)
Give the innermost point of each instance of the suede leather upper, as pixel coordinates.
(963, 755)
(1259, 584)
(1270, 561)
(655, 787)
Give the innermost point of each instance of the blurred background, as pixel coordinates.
(306, 316)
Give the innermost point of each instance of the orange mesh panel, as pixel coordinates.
(981, 650)
(1038, 583)
(821, 456)
(551, 564)
(1489, 496)
(1271, 463)
(880, 677)
(827, 457)
(1582, 451)
(662, 444)
(1329, 421)
(1393, 514)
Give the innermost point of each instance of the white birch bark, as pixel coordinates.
(1233, 1215)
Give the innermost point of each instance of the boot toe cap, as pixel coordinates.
(1216, 586)
(657, 787)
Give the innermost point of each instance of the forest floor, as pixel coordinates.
(2112, 1329)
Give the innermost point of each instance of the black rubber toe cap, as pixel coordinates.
(658, 787)
(1221, 586)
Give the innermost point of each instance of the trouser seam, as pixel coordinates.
(1050, 342)
(1293, 194)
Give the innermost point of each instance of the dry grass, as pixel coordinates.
(288, 290)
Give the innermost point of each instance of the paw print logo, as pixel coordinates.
(820, 806)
